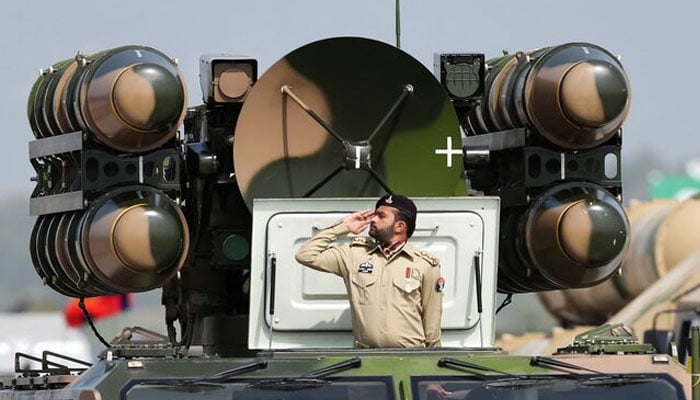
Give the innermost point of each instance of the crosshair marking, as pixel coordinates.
(449, 152)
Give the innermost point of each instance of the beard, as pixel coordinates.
(382, 235)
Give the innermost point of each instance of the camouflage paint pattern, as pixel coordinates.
(494, 102)
(130, 98)
(47, 258)
(52, 99)
(402, 374)
(575, 95)
(351, 83)
(568, 98)
(577, 236)
(574, 235)
(663, 233)
(42, 98)
(132, 239)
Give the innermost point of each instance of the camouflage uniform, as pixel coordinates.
(394, 299)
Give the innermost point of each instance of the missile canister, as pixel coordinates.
(663, 232)
(130, 98)
(575, 95)
(132, 239)
(550, 123)
(108, 172)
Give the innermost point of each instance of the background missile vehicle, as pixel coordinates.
(514, 163)
(655, 293)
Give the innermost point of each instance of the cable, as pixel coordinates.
(81, 305)
(506, 301)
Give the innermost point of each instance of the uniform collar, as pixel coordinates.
(394, 249)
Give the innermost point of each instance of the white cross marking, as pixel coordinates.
(449, 152)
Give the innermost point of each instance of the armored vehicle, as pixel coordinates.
(514, 164)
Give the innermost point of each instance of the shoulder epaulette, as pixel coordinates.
(361, 241)
(431, 259)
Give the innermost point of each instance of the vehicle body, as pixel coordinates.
(379, 374)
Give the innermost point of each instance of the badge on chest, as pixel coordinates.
(408, 277)
(366, 267)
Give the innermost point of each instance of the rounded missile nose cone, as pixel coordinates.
(132, 239)
(593, 93)
(576, 235)
(592, 233)
(147, 239)
(148, 97)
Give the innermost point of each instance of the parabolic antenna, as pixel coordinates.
(346, 117)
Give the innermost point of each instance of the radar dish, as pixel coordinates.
(347, 117)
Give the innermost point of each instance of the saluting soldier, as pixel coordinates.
(395, 289)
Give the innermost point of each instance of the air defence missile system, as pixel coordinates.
(136, 191)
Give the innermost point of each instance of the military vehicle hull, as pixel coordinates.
(370, 373)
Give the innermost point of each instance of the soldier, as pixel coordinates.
(395, 289)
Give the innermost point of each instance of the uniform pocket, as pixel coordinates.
(362, 286)
(409, 290)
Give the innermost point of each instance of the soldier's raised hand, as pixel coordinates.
(359, 221)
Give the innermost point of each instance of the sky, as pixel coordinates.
(656, 40)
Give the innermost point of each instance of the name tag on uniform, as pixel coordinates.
(366, 267)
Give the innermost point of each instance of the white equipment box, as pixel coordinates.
(293, 306)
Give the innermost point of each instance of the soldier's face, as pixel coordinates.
(381, 225)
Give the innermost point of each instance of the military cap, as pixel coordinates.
(401, 203)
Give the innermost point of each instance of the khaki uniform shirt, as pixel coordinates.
(394, 300)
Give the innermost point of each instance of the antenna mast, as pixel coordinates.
(398, 23)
